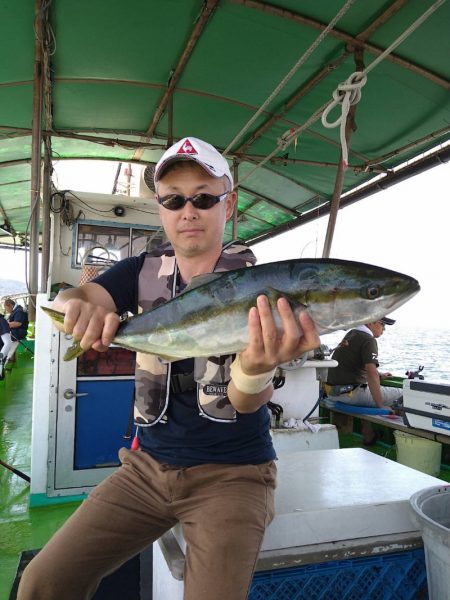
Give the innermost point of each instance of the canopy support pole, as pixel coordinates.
(36, 138)
(236, 189)
(170, 121)
(339, 181)
(46, 192)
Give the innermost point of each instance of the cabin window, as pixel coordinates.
(102, 245)
(116, 362)
(144, 240)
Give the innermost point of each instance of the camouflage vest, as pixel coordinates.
(157, 284)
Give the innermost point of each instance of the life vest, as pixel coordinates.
(157, 284)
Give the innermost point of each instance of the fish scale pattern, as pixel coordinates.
(396, 576)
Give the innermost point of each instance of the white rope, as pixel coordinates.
(404, 35)
(349, 92)
(291, 73)
(346, 94)
(284, 141)
(291, 134)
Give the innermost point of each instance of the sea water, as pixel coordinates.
(404, 348)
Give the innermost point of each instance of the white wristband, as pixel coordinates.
(249, 384)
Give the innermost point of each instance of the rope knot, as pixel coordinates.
(350, 88)
(346, 94)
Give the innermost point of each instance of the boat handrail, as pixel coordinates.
(25, 296)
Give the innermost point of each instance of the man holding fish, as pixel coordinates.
(203, 454)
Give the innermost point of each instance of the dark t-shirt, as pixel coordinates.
(20, 316)
(189, 439)
(357, 349)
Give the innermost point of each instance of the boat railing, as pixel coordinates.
(22, 298)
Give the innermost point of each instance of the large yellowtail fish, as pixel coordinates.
(210, 317)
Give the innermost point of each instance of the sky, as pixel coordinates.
(405, 228)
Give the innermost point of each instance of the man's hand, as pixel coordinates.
(267, 347)
(373, 380)
(92, 325)
(386, 375)
(89, 315)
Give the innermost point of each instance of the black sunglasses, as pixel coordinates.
(202, 201)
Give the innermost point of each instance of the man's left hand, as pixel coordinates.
(269, 348)
(385, 375)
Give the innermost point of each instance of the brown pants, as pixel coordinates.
(224, 511)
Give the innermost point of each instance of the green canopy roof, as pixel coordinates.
(136, 74)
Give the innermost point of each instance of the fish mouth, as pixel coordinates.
(411, 288)
(351, 315)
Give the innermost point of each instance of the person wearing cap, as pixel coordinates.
(203, 455)
(356, 379)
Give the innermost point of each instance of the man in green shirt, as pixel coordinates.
(356, 379)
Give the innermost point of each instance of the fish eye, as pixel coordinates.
(373, 291)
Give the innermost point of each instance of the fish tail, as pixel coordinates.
(55, 315)
(75, 350)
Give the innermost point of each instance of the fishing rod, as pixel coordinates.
(15, 471)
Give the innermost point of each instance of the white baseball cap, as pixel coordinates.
(200, 152)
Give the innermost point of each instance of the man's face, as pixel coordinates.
(190, 230)
(377, 328)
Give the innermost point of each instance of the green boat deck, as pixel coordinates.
(24, 528)
(21, 528)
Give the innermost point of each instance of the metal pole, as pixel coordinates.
(338, 184)
(36, 140)
(128, 172)
(235, 212)
(170, 122)
(116, 178)
(46, 191)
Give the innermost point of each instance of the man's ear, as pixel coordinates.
(230, 204)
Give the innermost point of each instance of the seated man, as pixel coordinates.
(356, 379)
(18, 324)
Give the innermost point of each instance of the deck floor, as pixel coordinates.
(21, 528)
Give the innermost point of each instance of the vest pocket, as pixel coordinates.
(212, 375)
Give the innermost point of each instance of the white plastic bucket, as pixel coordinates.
(431, 512)
(418, 453)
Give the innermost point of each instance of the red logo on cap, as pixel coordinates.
(187, 148)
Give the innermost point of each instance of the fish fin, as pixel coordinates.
(165, 358)
(296, 303)
(55, 315)
(74, 351)
(199, 280)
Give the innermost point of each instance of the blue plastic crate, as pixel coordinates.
(397, 576)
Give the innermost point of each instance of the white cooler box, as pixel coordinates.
(427, 405)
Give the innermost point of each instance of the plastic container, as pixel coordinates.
(418, 453)
(431, 512)
(397, 576)
(396, 382)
